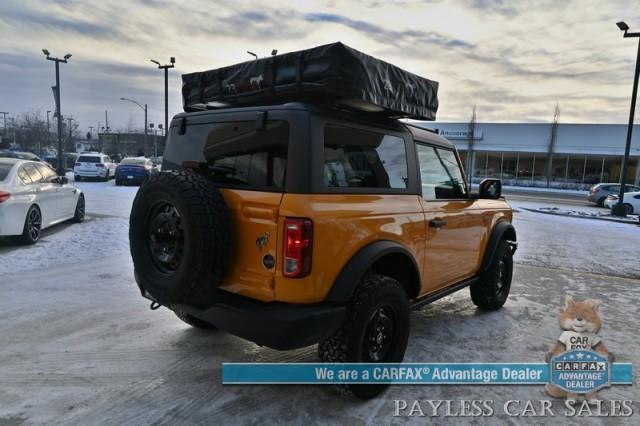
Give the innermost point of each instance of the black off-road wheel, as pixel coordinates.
(180, 237)
(376, 329)
(193, 321)
(492, 290)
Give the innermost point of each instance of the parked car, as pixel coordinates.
(598, 193)
(33, 197)
(94, 165)
(631, 201)
(22, 155)
(134, 170)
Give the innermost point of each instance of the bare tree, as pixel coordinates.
(472, 132)
(31, 131)
(552, 143)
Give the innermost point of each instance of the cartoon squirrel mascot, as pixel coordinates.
(581, 324)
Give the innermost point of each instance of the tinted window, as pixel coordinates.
(88, 159)
(363, 159)
(240, 155)
(4, 170)
(133, 161)
(33, 173)
(47, 173)
(440, 173)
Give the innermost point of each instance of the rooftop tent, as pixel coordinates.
(333, 73)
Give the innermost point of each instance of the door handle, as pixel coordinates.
(437, 223)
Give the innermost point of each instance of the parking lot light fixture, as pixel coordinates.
(619, 208)
(60, 169)
(171, 64)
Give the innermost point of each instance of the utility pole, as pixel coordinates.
(70, 119)
(172, 63)
(106, 121)
(61, 168)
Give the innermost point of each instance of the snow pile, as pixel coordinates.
(602, 214)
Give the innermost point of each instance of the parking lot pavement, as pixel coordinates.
(79, 345)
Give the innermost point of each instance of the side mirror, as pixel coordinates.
(490, 189)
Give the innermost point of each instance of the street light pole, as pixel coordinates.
(144, 108)
(4, 122)
(48, 131)
(61, 169)
(619, 209)
(166, 67)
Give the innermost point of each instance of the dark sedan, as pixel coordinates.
(134, 171)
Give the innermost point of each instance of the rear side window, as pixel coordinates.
(238, 154)
(33, 173)
(4, 171)
(355, 158)
(24, 176)
(88, 159)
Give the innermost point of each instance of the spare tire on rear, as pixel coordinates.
(180, 237)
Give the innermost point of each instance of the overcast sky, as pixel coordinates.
(513, 59)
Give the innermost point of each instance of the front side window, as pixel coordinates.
(355, 158)
(441, 176)
(239, 154)
(47, 173)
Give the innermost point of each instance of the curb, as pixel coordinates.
(582, 217)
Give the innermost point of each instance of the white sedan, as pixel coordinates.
(33, 197)
(631, 201)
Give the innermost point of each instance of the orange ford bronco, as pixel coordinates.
(295, 224)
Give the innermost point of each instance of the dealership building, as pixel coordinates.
(532, 154)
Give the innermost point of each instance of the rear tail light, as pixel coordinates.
(99, 165)
(4, 196)
(298, 241)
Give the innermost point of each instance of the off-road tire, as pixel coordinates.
(347, 344)
(193, 321)
(202, 232)
(78, 216)
(492, 289)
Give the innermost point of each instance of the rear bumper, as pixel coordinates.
(91, 173)
(277, 325)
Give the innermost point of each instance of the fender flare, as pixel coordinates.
(351, 273)
(502, 230)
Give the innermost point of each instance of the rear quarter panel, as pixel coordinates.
(342, 225)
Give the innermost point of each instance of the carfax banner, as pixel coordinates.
(577, 377)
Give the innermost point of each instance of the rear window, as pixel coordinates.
(87, 159)
(133, 162)
(238, 154)
(4, 171)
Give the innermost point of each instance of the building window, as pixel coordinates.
(509, 167)
(525, 167)
(575, 169)
(494, 165)
(540, 167)
(592, 169)
(611, 170)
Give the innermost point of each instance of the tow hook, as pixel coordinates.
(154, 306)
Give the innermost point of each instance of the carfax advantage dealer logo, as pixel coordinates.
(580, 371)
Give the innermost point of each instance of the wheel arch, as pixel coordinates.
(501, 231)
(384, 257)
